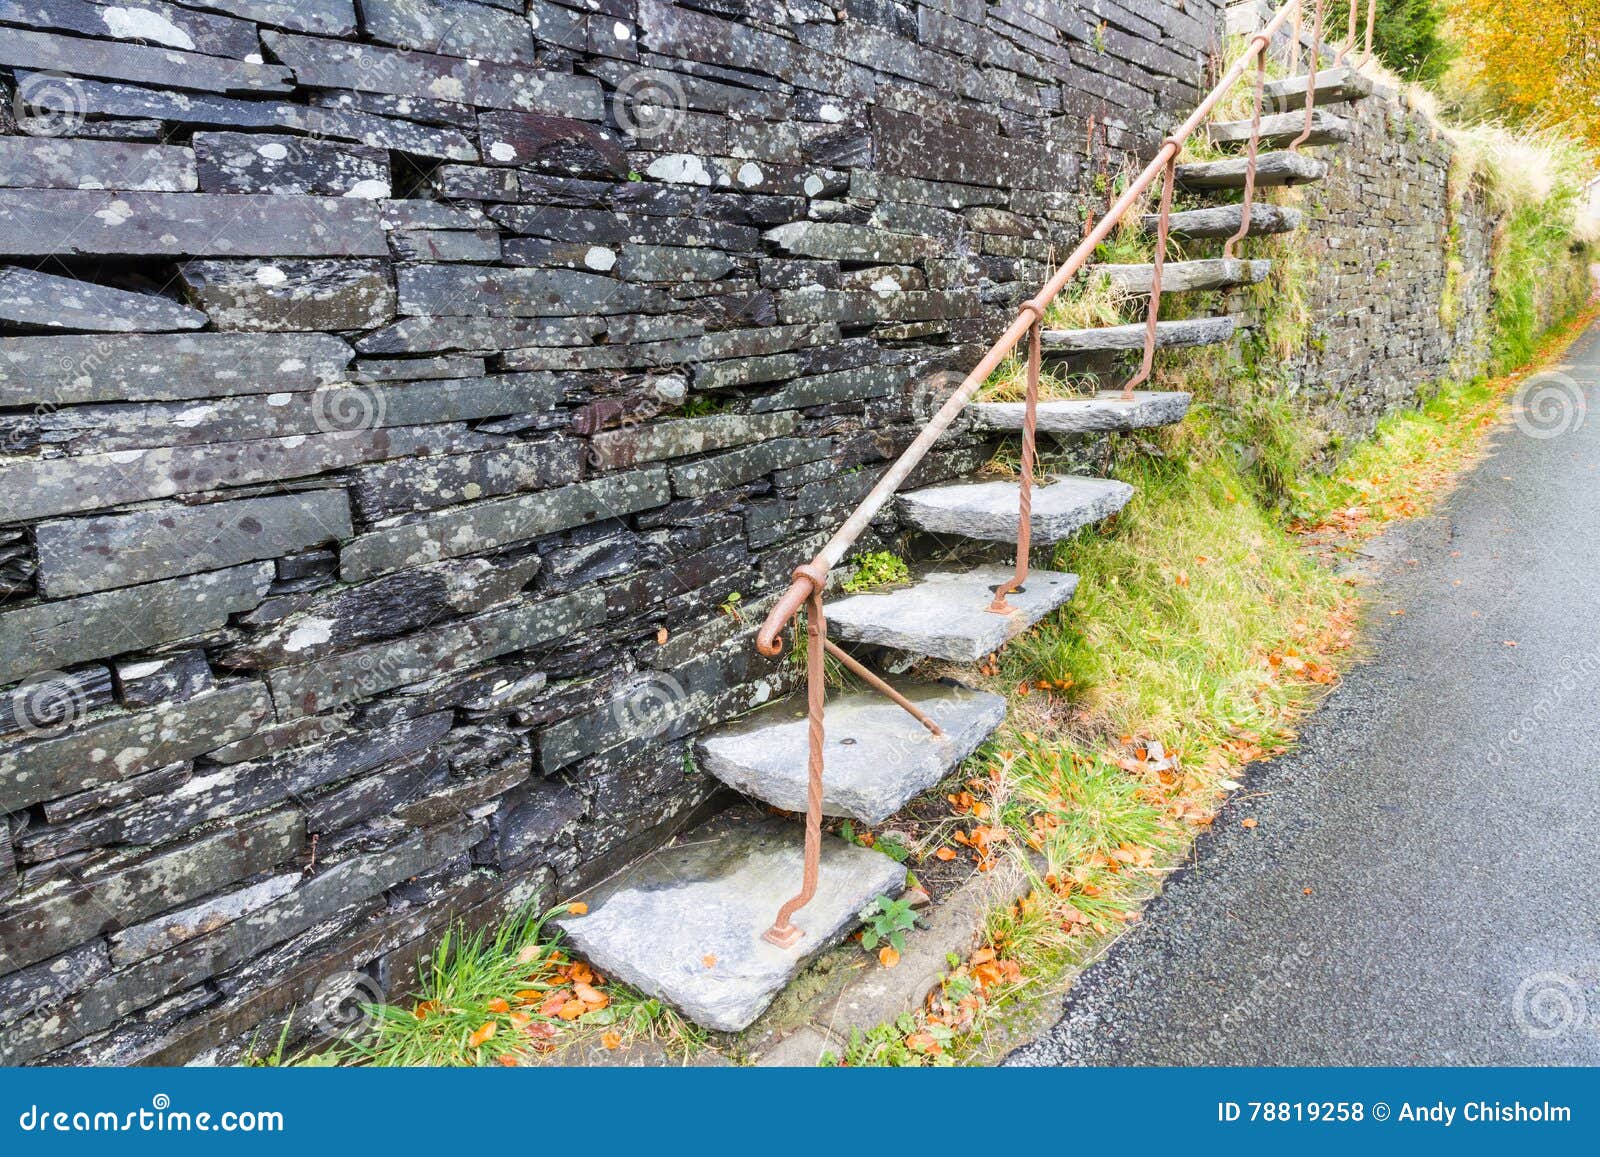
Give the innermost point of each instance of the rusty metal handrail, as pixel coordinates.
(811, 579)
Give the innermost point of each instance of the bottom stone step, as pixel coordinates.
(684, 924)
(875, 757)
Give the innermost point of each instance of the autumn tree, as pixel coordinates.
(1533, 60)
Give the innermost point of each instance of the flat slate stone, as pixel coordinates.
(1334, 86)
(947, 616)
(28, 297)
(46, 636)
(1272, 170)
(80, 555)
(876, 757)
(1169, 335)
(988, 510)
(1282, 129)
(1184, 276)
(1223, 221)
(58, 163)
(1104, 412)
(69, 221)
(52, 370)
(141, 64)
(685, 924)
(283, 164)
(305, 294)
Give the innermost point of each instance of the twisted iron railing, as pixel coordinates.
(811, 579)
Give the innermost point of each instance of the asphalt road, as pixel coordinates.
(1443, 808)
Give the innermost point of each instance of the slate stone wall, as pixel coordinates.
(407, 405)
(1401, 296)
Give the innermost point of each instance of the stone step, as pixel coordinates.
(947, 616)
(1273, 170)
(1223, 221)
(1169, 335)
(988, 510)
(1334, 86)
(684, 924)
(1280, 129)
(1185, 276)
(1104, 412)
(876, 757)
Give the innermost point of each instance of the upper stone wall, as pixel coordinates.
(396, 394)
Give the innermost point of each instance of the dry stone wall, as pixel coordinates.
(407, 403)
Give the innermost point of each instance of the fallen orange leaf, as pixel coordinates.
(498, 1004)
(577, 909)
(945, 854)
(887, 956)
(709, 960)
(484, 1033)
(612, 1039)
(1248, 823)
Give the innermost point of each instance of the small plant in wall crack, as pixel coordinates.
(887, 923)
(876, 569)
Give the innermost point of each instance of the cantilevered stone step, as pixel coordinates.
(1185, 276)
(988, 510)
(1169, 335)
(1280, 129)
(685, 924)
(1334, 86)
(1223, 221)
(947, 616)
(1103, 413)
(1272, 170)
(876, 757)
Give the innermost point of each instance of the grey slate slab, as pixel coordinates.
(1223, 221)
(293, 294)
(988, 510)
(31, 298)
(1272, 170)
(1185, 276)
(38, 928)
(126, 100)
(50, 370)
(329, 17)
(876, 757)
(39, 487)
(141, 64)
(1169, 335)
(150, 21)
(685, 924)
(484, 84)
(79, 555)
(476, 31)
(284, 164)
(47, 636)
(63, 163)
(946, 615)
(1283, 128)
(69, 221)
(112, 749)
(364, 671)
(1334, 86)
(483, 526)
(1102, 413)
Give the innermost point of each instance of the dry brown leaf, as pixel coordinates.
(887, 956)
(611, 1039)
(1249, 823)
(485, 1032)
(498, 1004)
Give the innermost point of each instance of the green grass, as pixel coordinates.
(504, 977)
(875, 569)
